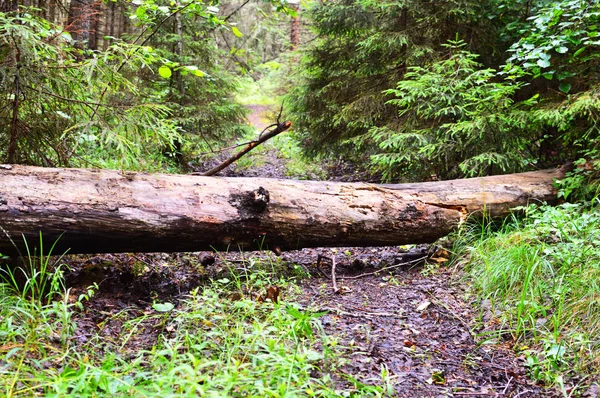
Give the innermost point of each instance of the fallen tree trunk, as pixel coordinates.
(97, 211)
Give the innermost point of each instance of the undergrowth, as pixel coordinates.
(538, 280)
(218, 341)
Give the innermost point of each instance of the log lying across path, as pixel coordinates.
(96, 211)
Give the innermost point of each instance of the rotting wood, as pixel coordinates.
(99, 211)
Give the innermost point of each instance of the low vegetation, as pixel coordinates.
(220, 340)
(536, 283)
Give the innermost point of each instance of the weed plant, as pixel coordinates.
(540, 276)
(218, 341)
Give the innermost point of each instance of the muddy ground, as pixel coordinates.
(411, 319)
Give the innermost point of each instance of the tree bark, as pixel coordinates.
(97, 211)
(295, 24)
(9, 5)
(83, 22)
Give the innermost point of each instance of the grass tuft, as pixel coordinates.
(538, 279)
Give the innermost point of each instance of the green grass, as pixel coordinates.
(270, 88)
(541, 276)
(297, 165)
(219, 341)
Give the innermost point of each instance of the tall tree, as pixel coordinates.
(83, 20)
(345, 103)
(295, 25)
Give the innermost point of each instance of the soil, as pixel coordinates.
(411, 319)
(417, 325)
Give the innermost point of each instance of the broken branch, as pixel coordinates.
(279, 128)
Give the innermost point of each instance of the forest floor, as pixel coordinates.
(403, 322)
(410, 320)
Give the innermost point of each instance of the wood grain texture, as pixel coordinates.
(95, 211)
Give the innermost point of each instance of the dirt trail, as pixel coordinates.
(410, 321)
(259, 116)
(416, 325)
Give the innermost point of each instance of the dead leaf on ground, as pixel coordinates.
(424, 305)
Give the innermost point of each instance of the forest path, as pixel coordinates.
(411, 322)
(407, 329)
(259, 116)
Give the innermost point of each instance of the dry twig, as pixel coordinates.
(263, 136)
(333, 281)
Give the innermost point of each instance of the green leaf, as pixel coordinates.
(194, 70)
(140, 12)
(163, 307)
(562, 49)
(548, 75)
(543, 63)
(236, 31)
(564, 75)
(565, 87)
(578, 52)
(165, 72)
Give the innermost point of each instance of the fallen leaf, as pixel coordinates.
(345, 289)
(236, 296)
(424, 305)
(442, 253)
(272, 294)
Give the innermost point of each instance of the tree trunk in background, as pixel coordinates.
(97, 211)
(83, 22)
(8, 5)
(176, 151)
(295, 25)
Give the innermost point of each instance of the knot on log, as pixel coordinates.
(251, 203)
(260, 198)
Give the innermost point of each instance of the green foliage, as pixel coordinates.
(297, 164)
(38, 279)
(454, 120)
(581, 183)
(123, 107)
(363, 48)
(192, 83)
(539, 277)
(530, 100)
(207, 344)
(62, 106)
(559, 47)
(574, 122)
(561, 42)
